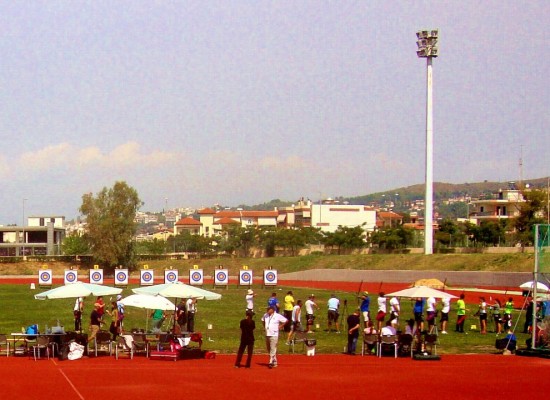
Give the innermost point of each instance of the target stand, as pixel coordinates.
(221, 277)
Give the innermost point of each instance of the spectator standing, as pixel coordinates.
(95, 323)
(365, 307)
(496, 317)
(77, 312)
(354, 322)
(395, 309)
(287, 309)
(482, 315)
(418, 310)
(431, 305)
(181, 315)
(100, 305)
(446, 302)
(158, 317)
(114, 327)
(249, 298)
(460, 314)
(191, 308)
(120, 307)
(273, 301)
(310, 312)
(528, 315)
(273, 323)
(508, 308)
(247, 326)
(333, 314)
(382, 309)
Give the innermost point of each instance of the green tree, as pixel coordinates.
(110, 224)
(531, 212)
(154, 246)
(345, 238)
(74, 245)
(392, 237)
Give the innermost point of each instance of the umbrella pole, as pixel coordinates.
(146, 320)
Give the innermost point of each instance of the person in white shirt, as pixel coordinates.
(394, 313)
(381, 309)
(333, 306)
(446, 302)
(388, 330)
(191, 307)
(273, 323)
(430, 313)
(295, 320)
(249, 298)
(310, 312)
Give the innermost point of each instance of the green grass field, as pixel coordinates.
(20, 309)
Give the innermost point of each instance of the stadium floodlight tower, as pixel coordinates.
(428, 49)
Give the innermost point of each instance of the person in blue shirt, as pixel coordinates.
(418, 310)
(364, 307)
(273, 301)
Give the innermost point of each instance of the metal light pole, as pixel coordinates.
(428, 49)
(24, 240)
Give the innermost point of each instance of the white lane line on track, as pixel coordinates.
(72, 385)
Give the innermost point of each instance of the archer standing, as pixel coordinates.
(460, 314)
(247, 340)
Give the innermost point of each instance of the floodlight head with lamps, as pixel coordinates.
(427, 43)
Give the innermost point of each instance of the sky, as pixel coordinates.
(196, 103)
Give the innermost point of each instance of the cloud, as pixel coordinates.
(126, 156)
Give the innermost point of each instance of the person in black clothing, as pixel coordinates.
(247, 340)
(353, 332)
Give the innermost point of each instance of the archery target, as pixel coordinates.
(171, 276)
(70, 276)
(96, 276)
(146, 277)
(196, 277)
(270, 277)
(221, 277)
(45, 277)
(121, 277)
(245, 277)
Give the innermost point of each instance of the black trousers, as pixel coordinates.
(240, 352)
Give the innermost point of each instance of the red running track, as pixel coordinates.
(300, 377)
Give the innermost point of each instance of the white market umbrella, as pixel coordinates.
(149, 302)
(530, 285)
(422, 291)
(77, 289)
(178, 290)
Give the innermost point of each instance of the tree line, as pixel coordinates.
(110, 233)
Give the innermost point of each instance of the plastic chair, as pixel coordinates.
(299, 337)
(370, 341)
(42, 343)
(430, 341)
(103, 342)
(123, 347)
(141, 345)
(387, 341)
(405, 347)
(4, 344)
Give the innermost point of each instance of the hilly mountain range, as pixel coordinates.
(442, 191)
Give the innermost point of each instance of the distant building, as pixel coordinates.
(42, 236)
(503, 205)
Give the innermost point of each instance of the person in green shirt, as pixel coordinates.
(508, 307)
(460, 314)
